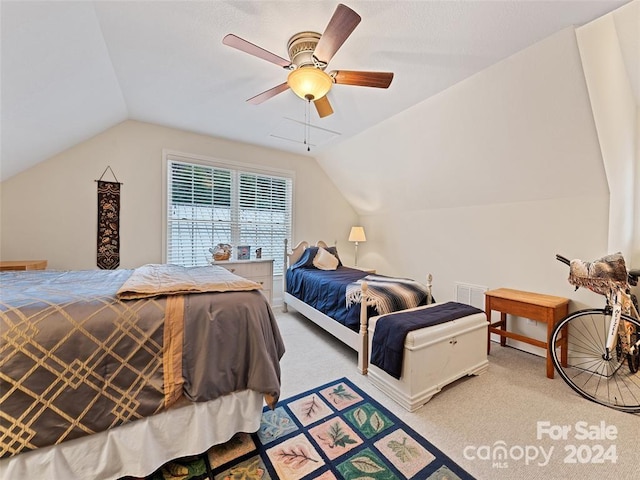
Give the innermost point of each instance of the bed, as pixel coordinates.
(340, 300)
(107, 374)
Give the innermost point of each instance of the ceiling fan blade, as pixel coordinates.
(362, 79)
(323, 107)
(266, 95)
(342, 23)
(248, 47)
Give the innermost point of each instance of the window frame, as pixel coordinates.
(212, 162)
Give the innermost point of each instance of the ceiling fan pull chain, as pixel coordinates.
(307, 119)
(306, 109)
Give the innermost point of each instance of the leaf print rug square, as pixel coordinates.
(294, 458)
(310, 409)
(335, 437)
(240, 444)
(341, 395)
(404, 452)
(332, 432)
(368, 419)
(275, 424)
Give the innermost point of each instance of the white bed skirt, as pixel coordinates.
(141, 447)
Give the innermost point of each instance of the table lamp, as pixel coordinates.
(357, 235)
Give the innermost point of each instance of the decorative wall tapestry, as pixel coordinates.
(108, 255)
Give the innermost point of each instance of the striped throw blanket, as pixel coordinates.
(387, 294)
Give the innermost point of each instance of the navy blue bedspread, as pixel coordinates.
(325, 290)
(387, 348)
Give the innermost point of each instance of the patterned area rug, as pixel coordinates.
(335, 431)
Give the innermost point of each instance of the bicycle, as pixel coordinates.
(601, 356)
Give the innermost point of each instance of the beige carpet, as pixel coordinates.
(471, 419)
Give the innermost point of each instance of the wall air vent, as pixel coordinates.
(470, 294)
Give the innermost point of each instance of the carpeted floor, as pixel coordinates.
(334, 431)
(470, 419)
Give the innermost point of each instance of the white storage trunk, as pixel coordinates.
(434, 357)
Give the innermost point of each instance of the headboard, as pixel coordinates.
(292, 257)
(296, 253)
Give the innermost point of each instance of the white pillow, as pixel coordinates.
(325, 260)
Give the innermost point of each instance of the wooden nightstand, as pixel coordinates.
(23, 265)
(260, 271)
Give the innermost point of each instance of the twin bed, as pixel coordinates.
(416, 346)
(340, 300)
(106, 374)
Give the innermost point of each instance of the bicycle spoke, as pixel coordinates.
(589, 339)
(631, 383)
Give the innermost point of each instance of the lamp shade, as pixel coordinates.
(357, 235)
(309, 83)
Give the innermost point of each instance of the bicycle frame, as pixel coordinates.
(618, 329)
(627, 332)
(612, 335)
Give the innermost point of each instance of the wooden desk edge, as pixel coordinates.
(23, 265)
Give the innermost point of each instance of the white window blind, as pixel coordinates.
(207, 205)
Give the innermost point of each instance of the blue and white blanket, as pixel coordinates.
(388, 294)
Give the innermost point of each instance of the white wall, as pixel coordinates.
(49, 211)
(635, 256)
(487, 181)
(615, 114)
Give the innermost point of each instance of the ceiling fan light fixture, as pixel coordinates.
(309, 83)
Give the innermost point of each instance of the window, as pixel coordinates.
(209, 204)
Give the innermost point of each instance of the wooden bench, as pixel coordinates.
(535, 306)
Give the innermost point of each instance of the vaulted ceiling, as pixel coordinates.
(70, 70)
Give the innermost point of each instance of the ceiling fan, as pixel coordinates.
(309, 54)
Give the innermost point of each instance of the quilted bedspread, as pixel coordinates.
(75, 359)
(159, 279)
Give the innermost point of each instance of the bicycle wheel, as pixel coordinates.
(604, 379)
